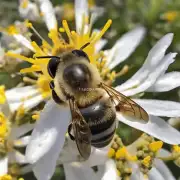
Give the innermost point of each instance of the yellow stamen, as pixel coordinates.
(146, 161)
(111, 153)
(155, 146)
(33, 68)
(118, 172)
(61, 29)
(11, 30)
(67, 30)
(105, 28)
(18, 56)
(2, 95)
(24, 4)
(37, 49)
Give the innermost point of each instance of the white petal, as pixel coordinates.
(110, 171)
(22, 142)
(166, 82)
(17, 157)
(70, 154)
(81, 10)
(156, 127)
(27, 104)
(152, 77)
(160, 108)
(17, 94)
(49, 132)
(47, 9)
(75, 171)
(154, 174)
(18, 131)
(163, 153)
(100, 44)
(155, 56)
(24, 41)
(3, 166)
(125, 46)
(163, 169)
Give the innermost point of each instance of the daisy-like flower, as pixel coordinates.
(11, 138)
(40, 90)
(48, 137)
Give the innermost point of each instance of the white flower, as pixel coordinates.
(48, 136)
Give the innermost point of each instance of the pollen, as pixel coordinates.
(111, 153)
(2, 94)
(6, 177)
(147, 161)
(11, 30)
(155, 146)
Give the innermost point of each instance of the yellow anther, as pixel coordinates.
(147, 161)
(111, 153)
(6, 177)
(36, 117)
(176, 148)
(170, 16)
(155, 146)
(3, 126)
(61, 29)
(2, 94)
(121, 153)
(28, 24)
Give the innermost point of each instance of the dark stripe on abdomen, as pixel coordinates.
(101, 119)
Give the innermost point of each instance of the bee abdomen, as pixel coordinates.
(101, 119)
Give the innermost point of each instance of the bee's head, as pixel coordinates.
(77, 75)
(74, 69)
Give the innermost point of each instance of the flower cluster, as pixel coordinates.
(49, 145)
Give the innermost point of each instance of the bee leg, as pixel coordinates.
(69, 132)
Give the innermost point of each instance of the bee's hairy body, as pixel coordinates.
(96, 108)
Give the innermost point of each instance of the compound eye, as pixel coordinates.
(52, 66)
(80, 53)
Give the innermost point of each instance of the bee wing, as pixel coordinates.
(125, 105)
(81, 131)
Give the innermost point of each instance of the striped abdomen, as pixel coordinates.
(101, 119)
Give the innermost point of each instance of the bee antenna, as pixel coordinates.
(85, 45)
(48, 57)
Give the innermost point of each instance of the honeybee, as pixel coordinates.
(93, 104)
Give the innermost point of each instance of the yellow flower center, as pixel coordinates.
(2, 95)
(176, 148)
(170, 15)
(3, 126)
(6, 177)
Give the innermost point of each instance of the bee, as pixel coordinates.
(93, 104)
